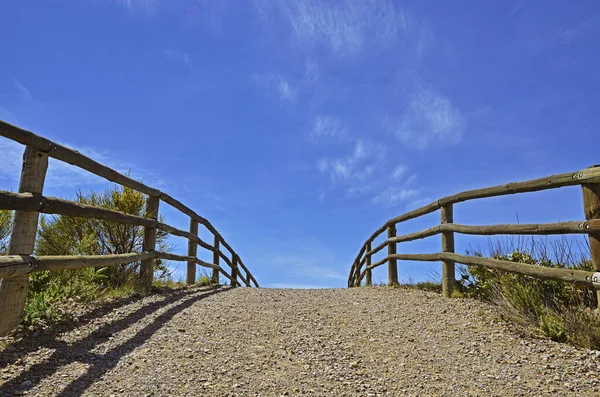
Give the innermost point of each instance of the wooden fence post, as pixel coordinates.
(448, 267)
(13, 291)
(234, 271)
(591, 208)
(369, 275)
(192, 251)
(149, 244)
(392, 263)
(216, 260)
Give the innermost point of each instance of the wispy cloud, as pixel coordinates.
(23, 91)
(344, 28)
(178, 55)
(417, 203)
(307, 259)
(321, 196)
(590, 25)
(429, 117)
(392, 196)
(398, 173)
(327, 127)
(279, 85)
(138, 5)
(311, 72)
(355, 167)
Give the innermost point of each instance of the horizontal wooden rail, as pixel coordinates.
(71, 156)
(579, 277)
(15, 265)
(573, 227)
(186, 258)
(250, 276)
(188, 211)
(53, 205)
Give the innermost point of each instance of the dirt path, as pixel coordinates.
(270, 342)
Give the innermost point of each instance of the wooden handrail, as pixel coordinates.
(579, 277)
(72, 157)
(29, 202)
(15, 265)
(186, 258)
(589, 177)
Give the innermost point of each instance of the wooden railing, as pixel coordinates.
(589, 179)
(29, 202)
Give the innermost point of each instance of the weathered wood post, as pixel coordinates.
(234, 271)
(216, 260)
(369, 275)
(591, 208)
(448, 267)
(392, 263)
(13, 291)
(192, 251)
(149, 244)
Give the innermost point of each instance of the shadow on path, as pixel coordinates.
(33, 341)
(80, 351)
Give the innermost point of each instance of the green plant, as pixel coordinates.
(204, 280)
(5, 226)
(61, 235)
(559, 310)
(428, 286)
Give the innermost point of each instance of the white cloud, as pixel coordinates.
(136, 5)
(344, 28)
(311, 72)
(178, 55)
(356, 167)
(286, 92)
(430, 117)
(410, 180)
(23, 91)
(393, 196)
(399, 172)
(322, 165)
(418, 203)
(278, 84)
(327, 127)
(589, 26)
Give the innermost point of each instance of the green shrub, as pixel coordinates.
(559, 310)
(5, 225)
(204, 280)
(49, 292)
(428, 286)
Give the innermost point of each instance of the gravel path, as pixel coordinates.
(274, 342)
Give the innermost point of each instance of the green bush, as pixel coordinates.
(559, 310)
(5, 225)
(49, 292)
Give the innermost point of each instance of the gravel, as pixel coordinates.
(275, 342)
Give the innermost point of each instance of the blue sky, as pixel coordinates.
(298, 127)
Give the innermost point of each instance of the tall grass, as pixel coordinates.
(558, 310)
